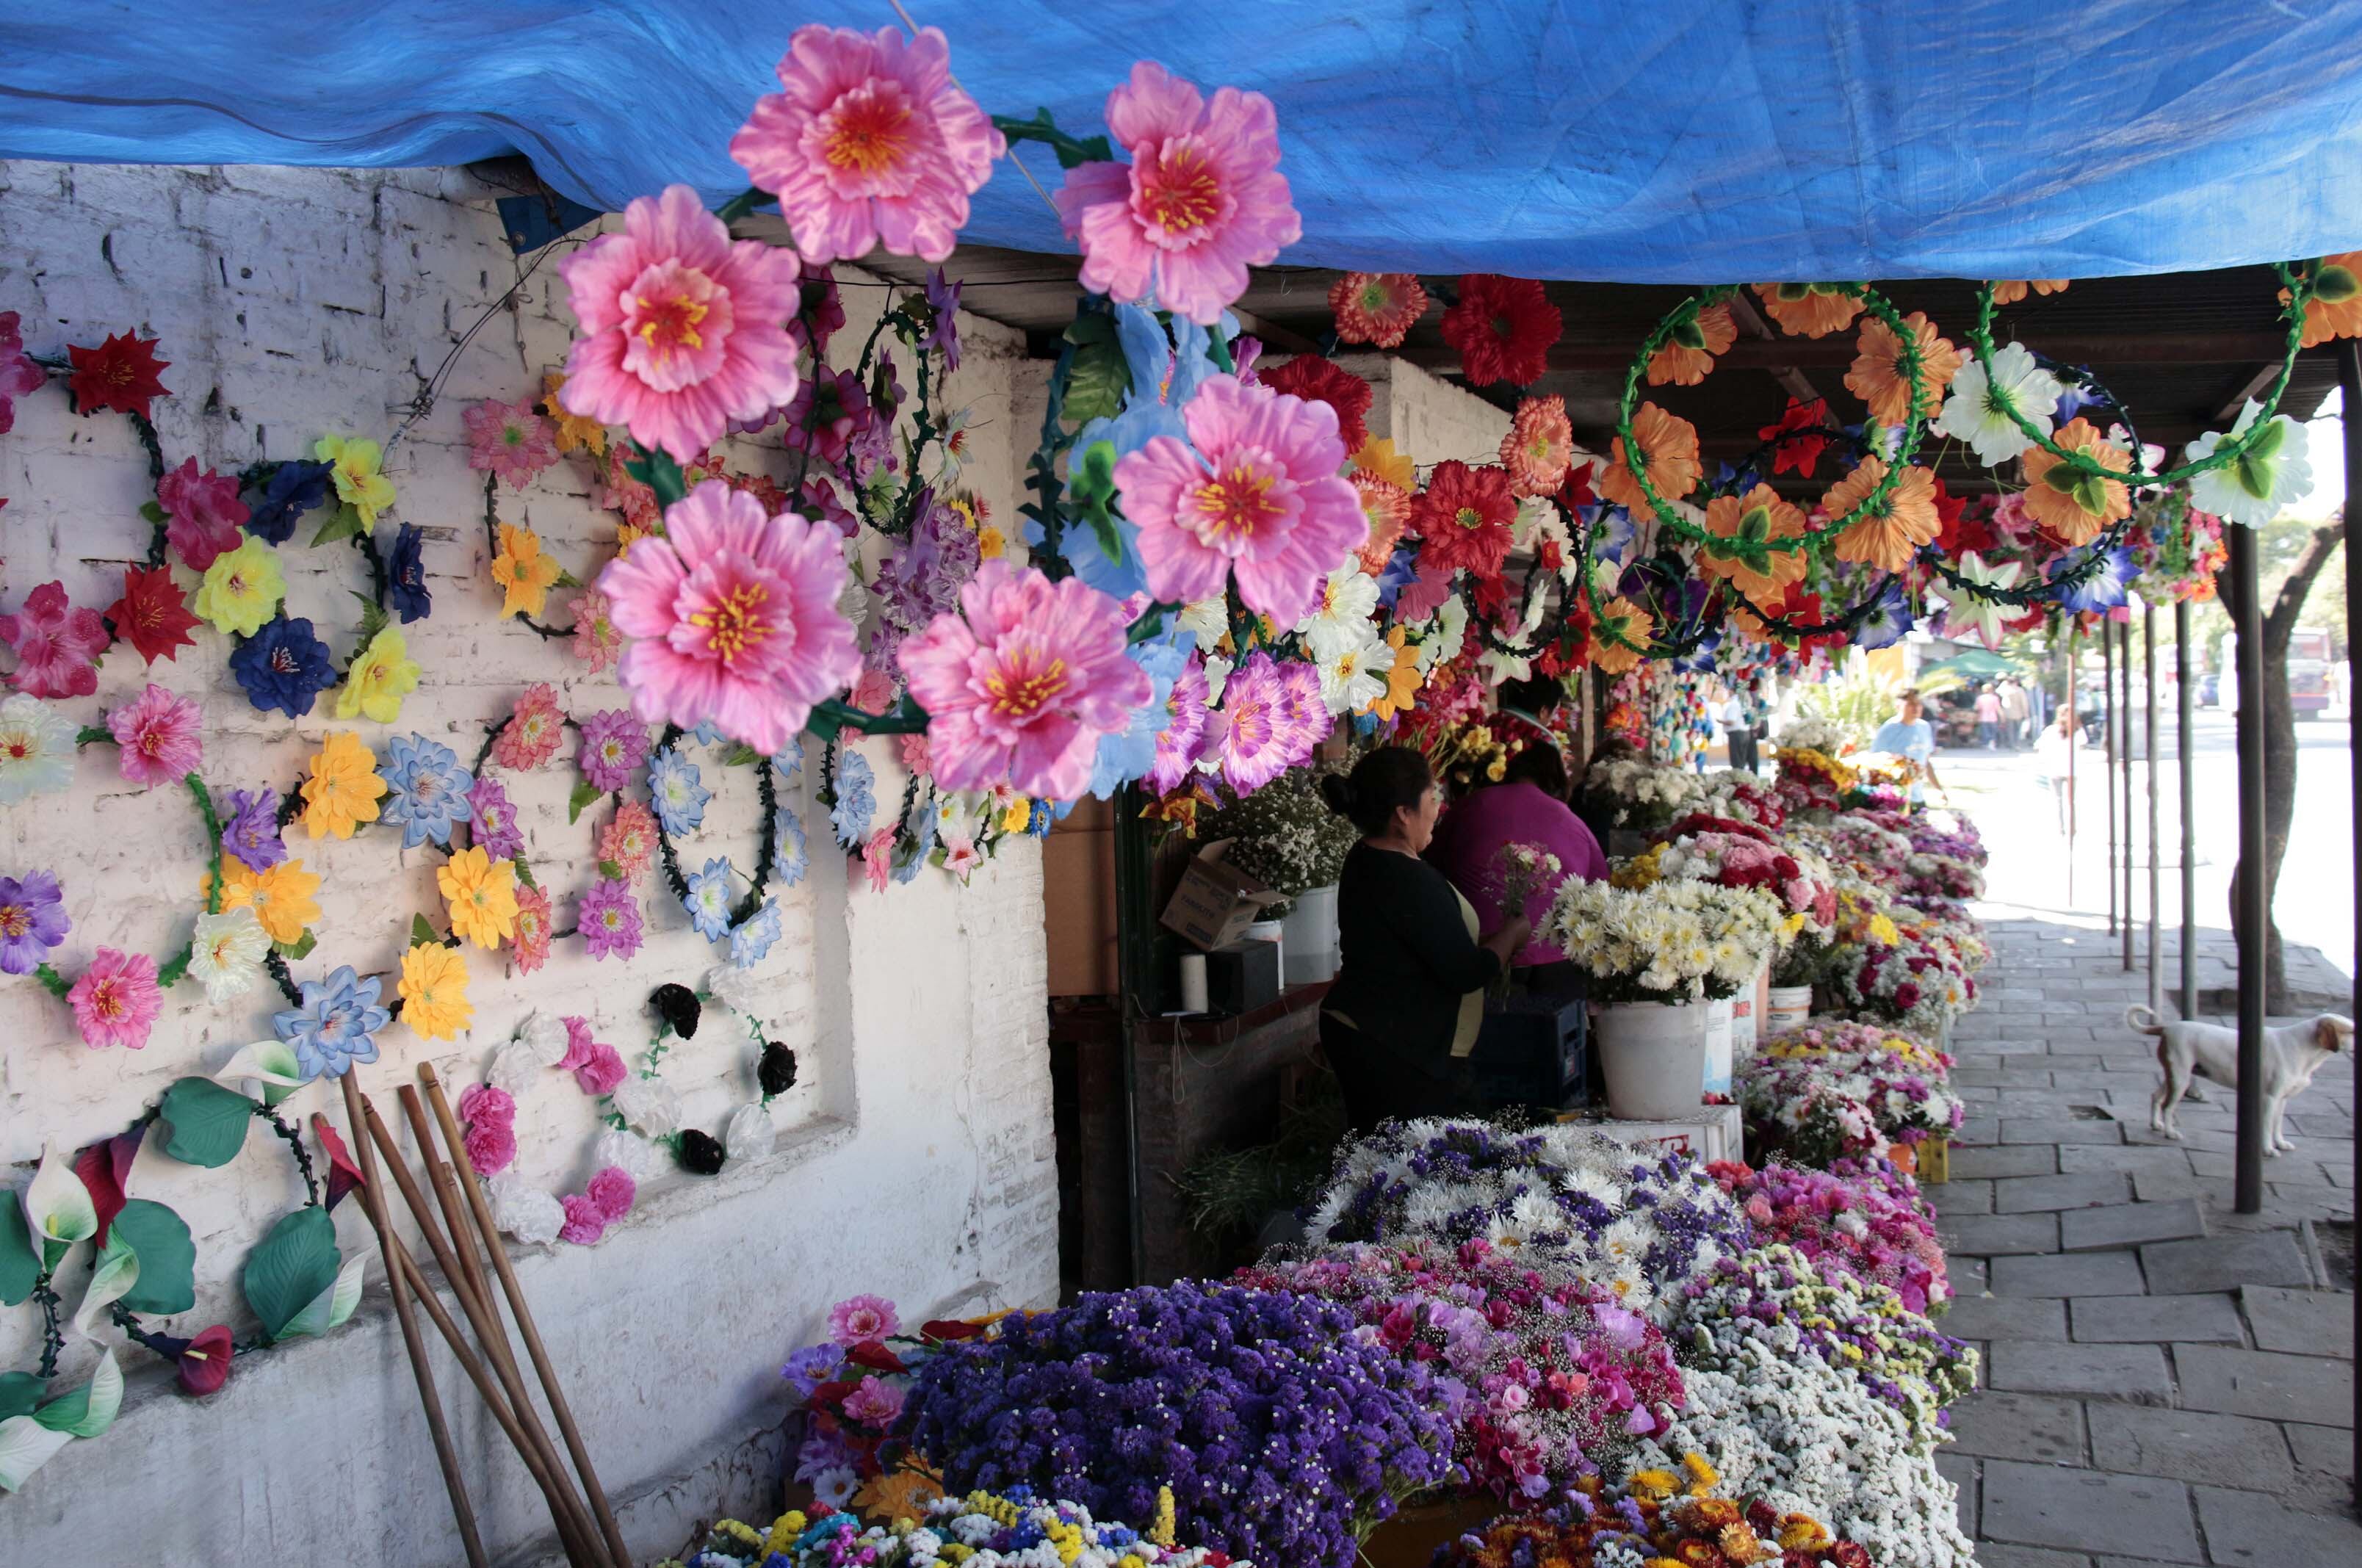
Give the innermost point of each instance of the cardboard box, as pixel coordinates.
(1714, 1135)
(1216, 902)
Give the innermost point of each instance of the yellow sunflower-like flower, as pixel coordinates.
(523, 571)
(381, 676)
(481, 895)
(433, 990)
(1656, 1485)
(280, 894)
(575, 433)
(1402, 680)
(359, 485)
(1377, 458)
(1889, 536)
(343, 791)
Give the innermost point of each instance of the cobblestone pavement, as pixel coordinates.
(2165, 1381)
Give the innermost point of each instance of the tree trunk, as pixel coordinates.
(2278, 719)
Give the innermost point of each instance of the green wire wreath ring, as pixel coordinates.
(2301, 283)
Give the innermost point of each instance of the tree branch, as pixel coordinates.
(2280, 622)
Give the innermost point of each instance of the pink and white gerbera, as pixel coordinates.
(1272, 721)
(1201, 201)
(683, 329)
(1179, 743)
(1020, 691)
(1260, 495)
(872, 141)
(158, 738)
(733, 617)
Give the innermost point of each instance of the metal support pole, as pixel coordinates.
(2349, 382)
(2246, 619)
(1137, 978)
(2183, 698)
(2074, 744)
(2149, 739)
(2108, 740)
(2125, 779)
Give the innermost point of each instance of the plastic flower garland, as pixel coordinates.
(751, 923)
(983, 1530)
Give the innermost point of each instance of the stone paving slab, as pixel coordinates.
(1997, 1160)
(2044, 1505)
(2225, 1263)
(1993, 1554)
(2007, 1318)
(1961, 1471)
(2302, 1322)
(2251, 1527)
(2036, 1194)
(1990, 1235)
(2157, 1319)
(1997, 1424)
(2068, 1273)
(2309, 1388)
(2325, 1449)
(2189, 1445)
(2129, 1224)
(2135, 1372)
(1960, 1198)
(2063, 1133)
(2130, 1158)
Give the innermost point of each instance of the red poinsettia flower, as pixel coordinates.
(120, 373)
(1801, 433)
(1502, 327)
(1964, 528)
(152, 615)
(1316, 379)
(1464, 516)
(1575, 492)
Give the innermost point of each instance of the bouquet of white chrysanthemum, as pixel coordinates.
(1672, 940)
(1641, 794)
(1812, 731)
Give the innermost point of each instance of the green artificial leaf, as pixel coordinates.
(740, 755)
(20, 1265)
(301, 948)
(168, 1258)
(612, 870)
(207, 1123)
(1091, 481)
(2335, 285)
(658, 470)
(90, 1409)
(343, 523)
(25, 1446)
(1099, 375)
(524, 872)
(19, 1392)
(585, 794)
(373, 620)
(333, 1304)
(116, 1271)
(421, 934)
(295, 1263)
(154, 512)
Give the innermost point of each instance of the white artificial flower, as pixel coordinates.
(545, 1037)
(2261, 482)
(1209, 617)
(1355, 675)
(37, 749)
(1341, 620)
(227, 952)
(732, 987)
(629, 1153)
(1499, 667)
(1977, 411)
(1967, 611)
(526, 1212)
(1218, 678)
(649, 1105)
(1442, 644)
(518, 1067)
(750, 1134)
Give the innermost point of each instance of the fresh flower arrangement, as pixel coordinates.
(1281, 1435)
(1672, 940)
(1284, 834)
(1545, 1381)
(1814, 732)
(1824, 1038)
(1734, 792)
(1920, 981)
(1775, 1296)
(1811, 779)
(1876, 851)
(1659, 1517)
(1799, 879)
(1815, 1107)
(1641, 794)
(980, 1530)
(1860, 1218)
(1577, 1207)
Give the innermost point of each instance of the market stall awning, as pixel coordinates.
(1723, 141)
(1975, 663)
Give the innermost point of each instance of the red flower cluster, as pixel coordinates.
(1463, 516)
(1802, 435)
(1316, 379)
(120, 373)
(1502, 327)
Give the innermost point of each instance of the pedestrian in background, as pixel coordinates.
(1988, 718)
(2051, 767)
(1738, 728)
(2014, 712)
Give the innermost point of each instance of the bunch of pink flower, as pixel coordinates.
(852, 1386)
(1820, 1103)
(1940, 876)
(1877, 852)
(1799, 879)
(1543, 1381)
(1746, 797)
(1271, 720)
(1860, 1216)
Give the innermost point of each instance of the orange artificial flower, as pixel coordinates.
(2072, 505)
(1888, 537)
(1877, 376)
(1402, 680)
(1690, 353)
(1669, 450)
(1809, 310)
(2336, 308)
(1741, 550)
(1539, 446)
(1620, 618)
(2010, 292)
(1377, 458)
(1387, 506)
(575, 433)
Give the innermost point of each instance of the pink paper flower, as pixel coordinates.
(603, 1072)
(1021, 690)
(1201, 201)
(586, 1222)
(534, 730)
(878, 858)
(733, 617)
(1269, 724)
(863, 1320)
(19, 374)
(914, 754)
(117, 1001)
(1185, 729)
(596, 640)
(159, 736)
(612, 1190)
(875, 1403)
(579, 1044)
(871, 142)
(207, 519)
(1260, 494)
(491, 1147)
(683, 330)
(509, 439)
(488, 1103)
(56, 645)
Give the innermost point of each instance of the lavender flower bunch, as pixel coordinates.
(1283, 1437)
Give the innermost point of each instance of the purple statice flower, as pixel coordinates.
(493, 820)
(614, 744)
(250, 831)
(921, 579)
(32, 921)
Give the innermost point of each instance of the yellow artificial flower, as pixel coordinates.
(523, 571)
(482, 893)
(359, 483)
(626, 535)
(242, 588)
(1402, 680)
(1653, 1486)
(989, 544)
(1019, 813)
(433, 991)
(381, 674)
(1703, 1477)
(280, 896)
(575, 433)
(1377, 458)
(343, 791)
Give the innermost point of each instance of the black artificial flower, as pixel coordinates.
(776, 1071)
(699, 1153)
(676, 1005)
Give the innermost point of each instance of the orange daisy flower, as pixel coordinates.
(1690, 353)
(2012, 292)
(1669, 450)
(2071, 505)
(1387, 506)
(1809, 310)
(1620, 618)
(1877, 375)
(1377, 458)
(1740, 551)
(1540, 445)
(1889, 536)
(2336, 308)
(1376, 307)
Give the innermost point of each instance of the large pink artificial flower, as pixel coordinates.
(1021, 690)
(863, 1320)
(1184, 732)
(871, 142)
(56, 645)
(683, 330)
(159, 736)
(19, 374)
(117, 1001)
(207, 519)
(1201, 201)
(1260, 495)
(733, 618)
(878, 858)
(1270, 721)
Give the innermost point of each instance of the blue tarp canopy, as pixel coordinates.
(1682, 141)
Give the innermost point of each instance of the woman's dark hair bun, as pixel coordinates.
(1391, 778)
(1338, 791)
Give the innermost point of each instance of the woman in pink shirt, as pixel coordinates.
(1529, 806)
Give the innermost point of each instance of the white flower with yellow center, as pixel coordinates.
(1341, 620)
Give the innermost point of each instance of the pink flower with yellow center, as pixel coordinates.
(1201, 201)
(1021, 684)
(1260, 494)
(733, 618)
(158, 738)
(117, 1001)
(872, 141)
(683, 330)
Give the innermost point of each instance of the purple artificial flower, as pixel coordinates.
(828, 410)
(610, 918)
(923, 580)
(252, 832)
(493, 821)
(943, 332)
(614, 745)
(812, 1367)
(32, 921)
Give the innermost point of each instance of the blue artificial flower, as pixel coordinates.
(789, 760)
(283, 666)
(707, 733)
(294, 489)
(678, 791)
(812, 1367)
(251, 828)
(943, 332)
(2108, 583)
(1119, 575)
(1886, 622)
(2078, 389)
(1701, 658)
(856, 802)
(788, 857)
(1402, 570)
(1041, 820)
(406, 576)
(425, 790)
(753, 937)
(709, 900)
(1612, 533)
(917, 841)
(336, 1024)
(1127, 754)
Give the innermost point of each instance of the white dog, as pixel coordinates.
(2186, 1049)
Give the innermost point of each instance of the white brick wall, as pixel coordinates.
(916, 1152)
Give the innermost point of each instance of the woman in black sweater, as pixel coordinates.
(1409, 996)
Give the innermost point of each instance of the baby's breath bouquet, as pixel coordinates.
(1284, 834)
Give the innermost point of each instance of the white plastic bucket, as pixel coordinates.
(1716, 1069)
(1791, 1005)
(1747, 1010)
(1309, 936)
(1654, 1059)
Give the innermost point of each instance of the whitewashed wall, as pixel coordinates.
(916, 1154)
(1426, 416)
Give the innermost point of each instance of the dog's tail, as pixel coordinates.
(2139, 1019)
